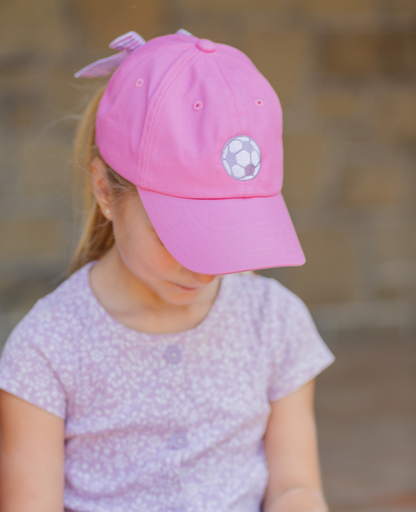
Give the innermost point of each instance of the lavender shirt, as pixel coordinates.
(164, 422)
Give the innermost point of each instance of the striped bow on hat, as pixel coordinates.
(127, 43)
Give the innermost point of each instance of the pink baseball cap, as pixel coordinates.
(198, 129)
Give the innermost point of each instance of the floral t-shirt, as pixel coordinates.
(164, 422)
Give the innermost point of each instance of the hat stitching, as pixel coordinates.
(248, 147)
(242, 186)
(222, 255)
(228, 234)
(226, 255)
(170, 89)
(153, 115)
(233, 108)
(248, 249)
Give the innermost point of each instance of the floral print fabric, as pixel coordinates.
(164, 422)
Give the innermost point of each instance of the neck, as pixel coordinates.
(133, 303)
(124, 283)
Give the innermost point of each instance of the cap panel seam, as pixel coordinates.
(232, 94)
(148, 138)
(173, 86)
(247, 65)
(242, 185)
(153, 45)
(142, 52)
(148, 130)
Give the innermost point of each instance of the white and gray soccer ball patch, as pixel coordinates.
(241, 158)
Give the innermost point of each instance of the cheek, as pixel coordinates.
(142, 250)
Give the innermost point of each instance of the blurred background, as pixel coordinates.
(345, 72)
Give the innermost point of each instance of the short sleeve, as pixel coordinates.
(35, 364)
(298, 352)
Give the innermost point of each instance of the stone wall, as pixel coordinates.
(345, 71)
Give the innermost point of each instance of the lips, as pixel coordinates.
(186, 288)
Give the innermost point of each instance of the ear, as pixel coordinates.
(100, 187)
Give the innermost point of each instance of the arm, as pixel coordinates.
(292, 457)
(31, 457)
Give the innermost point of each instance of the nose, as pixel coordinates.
(201, 279)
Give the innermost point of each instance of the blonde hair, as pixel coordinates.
(97, 234)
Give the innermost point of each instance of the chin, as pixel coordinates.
(181, 298)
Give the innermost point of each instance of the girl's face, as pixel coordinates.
(142, 252)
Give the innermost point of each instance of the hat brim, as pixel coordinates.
(224, 236)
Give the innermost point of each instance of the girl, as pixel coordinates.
(162, 376)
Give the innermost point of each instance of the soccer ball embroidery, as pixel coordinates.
(241, 158)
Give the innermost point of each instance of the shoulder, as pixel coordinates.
(40, 361)
(294, 351)
(265, 294)
(274, 311)
(55, 318)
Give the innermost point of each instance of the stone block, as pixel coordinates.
(362, 55)
(233, 5)
(402, 9)
(18, 102)
(397, 275)
(63, 96)
(366, 187)
(282, 58)
(396, 115)
(104, 20)
(329, 272)
(396, 244)
(233, 20)
(32, 25)
(29, 237)
(337, 105)
(45, 170)
(339, 7)
(303, 154)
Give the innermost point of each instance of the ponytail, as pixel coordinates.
(97, 235)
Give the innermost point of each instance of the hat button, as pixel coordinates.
(205, 45)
